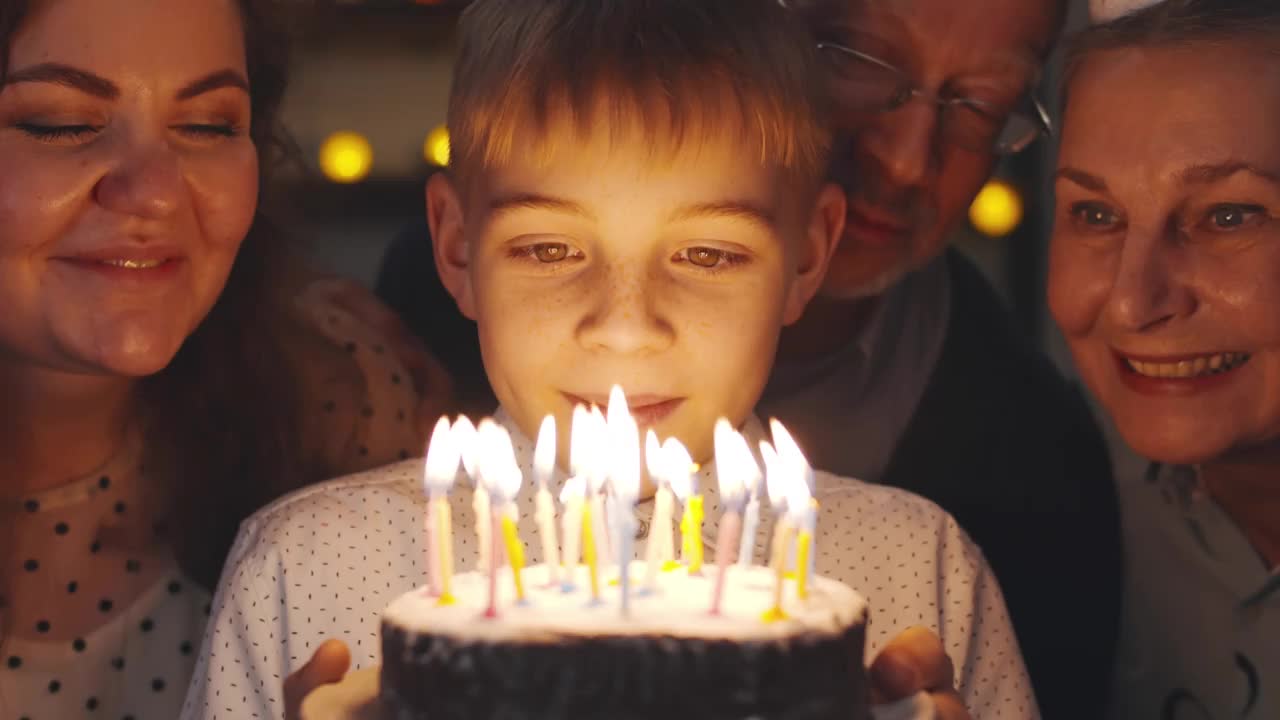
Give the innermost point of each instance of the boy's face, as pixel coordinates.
(603, 262)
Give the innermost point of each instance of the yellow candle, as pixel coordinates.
(802, 563)
(515, 553)
(692, 534)
(589, 551)
(444, 522)
(781, 538)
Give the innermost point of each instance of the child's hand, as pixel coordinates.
(915, 661)
(328, 665)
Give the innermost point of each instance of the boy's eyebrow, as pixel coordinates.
(534, 201)
(732, 209)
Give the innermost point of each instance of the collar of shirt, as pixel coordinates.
(1205, 534)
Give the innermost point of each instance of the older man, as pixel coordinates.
(909, 371)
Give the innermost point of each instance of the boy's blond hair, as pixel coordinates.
(668, 68)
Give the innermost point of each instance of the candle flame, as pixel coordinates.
(795, 469)
(678, 468)
(582, 449)
(574, 487)
(544, 452)
(464, 434)
(499, 470)
(736, 470)
(443, 456)
(775, 475)
(624, 446)
(653, 457)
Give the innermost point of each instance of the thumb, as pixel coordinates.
(327, 665)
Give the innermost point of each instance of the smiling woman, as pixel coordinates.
(167, 363)
(1165, 279)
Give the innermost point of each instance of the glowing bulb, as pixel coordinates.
(346, 157)
(997, 210)
(436, 147)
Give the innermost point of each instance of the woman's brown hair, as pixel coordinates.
(221, 420)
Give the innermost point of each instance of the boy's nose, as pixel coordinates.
(626, 321)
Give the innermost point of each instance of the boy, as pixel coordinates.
(636, 197)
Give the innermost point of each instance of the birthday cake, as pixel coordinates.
(561, 654)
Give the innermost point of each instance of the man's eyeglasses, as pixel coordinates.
(981, 119)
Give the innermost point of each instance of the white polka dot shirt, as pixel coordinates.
(325, 562)
(96, 548)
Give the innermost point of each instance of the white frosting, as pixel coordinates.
(680, 607)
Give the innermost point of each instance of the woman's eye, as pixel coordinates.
(1094, 215)
(1231, 217)
(209, 130)
(55, 133)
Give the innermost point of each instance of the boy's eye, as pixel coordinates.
(708, 258)
(550, 252)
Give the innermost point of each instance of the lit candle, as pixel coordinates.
(467, 436)
(680, 471)
(544, 462)
(571, 497)
(600, 500)
(750, 521)
(439, 472)
(501, 473)
(584, 461)
(734, 466)
(624, 475)
(776, 482)
(658, 548)
(800, 502)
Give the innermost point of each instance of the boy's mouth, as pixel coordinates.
(647, 410)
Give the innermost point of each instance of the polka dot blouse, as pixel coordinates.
(118, 624)
(324, 563)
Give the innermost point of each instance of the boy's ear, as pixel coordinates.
(826, 225)
(445, 217)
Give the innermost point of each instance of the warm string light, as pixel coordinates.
(599, 497)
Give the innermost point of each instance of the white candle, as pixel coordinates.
(750, 521)
(799, 482)
(480, 510)
(734, 468)
(658, 548)
(544, 459)
(601, 507)
(439, 471)
(466, 436)
(624, 445)
(502, 478)
(571, 497)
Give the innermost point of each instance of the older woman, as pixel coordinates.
(162, 371)
(1165, 278)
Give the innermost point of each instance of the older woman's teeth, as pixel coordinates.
(133, 264)
(1199, 367)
